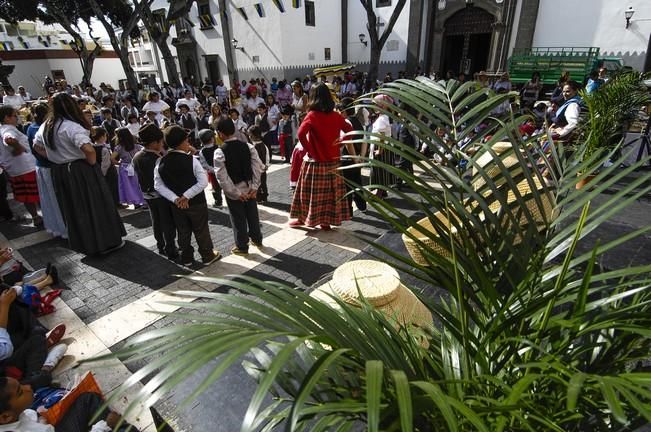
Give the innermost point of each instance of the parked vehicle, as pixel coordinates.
(552, 62)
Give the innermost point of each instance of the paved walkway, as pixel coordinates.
(109, 298)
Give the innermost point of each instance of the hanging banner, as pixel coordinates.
(296, 4)
(279, 5)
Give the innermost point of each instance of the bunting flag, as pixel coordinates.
(259, 9)
(224, 14)
(296, 4)
(279, 5)
(243, 13)
(207, 21)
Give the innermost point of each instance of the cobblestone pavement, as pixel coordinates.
(107, 299)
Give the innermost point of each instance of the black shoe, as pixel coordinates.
(218, 205)
(54, 274)
(238, 251)
(216, 256)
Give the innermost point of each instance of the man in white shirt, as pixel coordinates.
(24, 94)
(156, 105)
(12, 99)
(221, 92)
(188, 100)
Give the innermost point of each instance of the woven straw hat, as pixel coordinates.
(380, 286)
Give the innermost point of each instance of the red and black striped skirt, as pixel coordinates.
(25, 188)
(319, 195)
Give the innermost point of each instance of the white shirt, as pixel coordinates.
(252, 103)
(20, 164)
(69, 137)
(273, 115)
(191, 103)
(156, 107)
(572, 113)
(196, 189)
(231, 190)
(222, 93)
(15, 101)
(28, 422)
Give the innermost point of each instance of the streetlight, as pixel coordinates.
(362, 39)
(628, 13)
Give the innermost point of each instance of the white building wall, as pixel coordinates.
(30, 73)
(598, 23)
(358, 53)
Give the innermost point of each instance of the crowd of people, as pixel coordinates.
(74, 159)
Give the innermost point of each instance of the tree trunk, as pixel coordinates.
(168, 59)
(86, 58)
(374, 66)
(120, 45)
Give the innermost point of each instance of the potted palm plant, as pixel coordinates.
(528, 336)
(609, 112)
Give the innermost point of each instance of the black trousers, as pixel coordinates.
(112, 181)
(81, 413)
(5, 211)
(189, 221)
(245, 221)
(353, 175)
(162, 221)
(269, 141)
(263, 191)
(29, 358)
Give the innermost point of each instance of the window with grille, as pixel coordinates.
(310, 19)
(326, 53)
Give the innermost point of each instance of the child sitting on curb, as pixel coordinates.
(16, 414)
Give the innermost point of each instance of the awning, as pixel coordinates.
(333, 70)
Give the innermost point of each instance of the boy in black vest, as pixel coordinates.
(238, 169)
(206, 157)
(179, 178)
(160, 209)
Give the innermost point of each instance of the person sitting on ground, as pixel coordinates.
(17, 415)
(179, 178)
(27, 353)
(17, 160)
(238, 169)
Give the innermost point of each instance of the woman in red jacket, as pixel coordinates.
(320, 189)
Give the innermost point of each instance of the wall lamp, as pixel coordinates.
(362, 39)
(628, 13)
(236, 46)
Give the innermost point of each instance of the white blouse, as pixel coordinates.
(69, 136)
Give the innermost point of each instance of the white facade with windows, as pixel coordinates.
(36, 50)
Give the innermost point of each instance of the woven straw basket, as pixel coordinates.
(380, 286)
(541, 215)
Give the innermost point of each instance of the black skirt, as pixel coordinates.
(380, 176)
(88, 210)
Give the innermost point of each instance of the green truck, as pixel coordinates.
(552, 62)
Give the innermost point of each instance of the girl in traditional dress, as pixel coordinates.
(52, 218)
(94, 225)
(382, 126)
(125, 149)
(320, 189)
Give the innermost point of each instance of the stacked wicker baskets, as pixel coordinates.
(542, 215)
